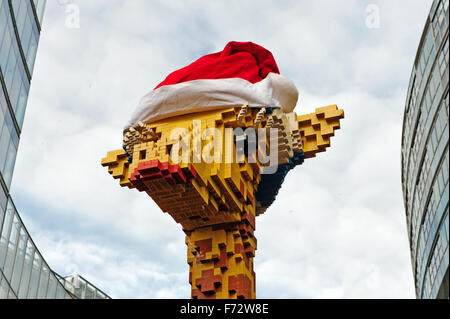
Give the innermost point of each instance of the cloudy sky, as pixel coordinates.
(337, 228)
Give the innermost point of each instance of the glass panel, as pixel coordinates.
(11, 295)
(18, 263)
(12, 246)
(89, 293)
(60, 292)
(43, 282)
(5, 48)
(9, 69)
(4, 142)
(26, 32)
(100, 295)
(40, 5)
(3, 201)
(3, 288)
(26, 272)
(3, 22)
(20, 14)
(15, 88)
(31, 53)
(5, 139)
(5, 236)
(9, 163)
(21, 103)
(51, 291)
(35, 275)
(80, 288)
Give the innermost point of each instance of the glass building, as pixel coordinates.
(425, 157)
(81, 288)
(23, 271)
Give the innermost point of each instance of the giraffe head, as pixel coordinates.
(219, 166)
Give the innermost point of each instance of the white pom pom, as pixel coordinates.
(285, 91)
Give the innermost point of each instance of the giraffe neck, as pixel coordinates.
(220, 259)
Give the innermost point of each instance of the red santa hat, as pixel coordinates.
(243, 72)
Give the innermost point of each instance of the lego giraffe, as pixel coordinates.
(216, 202)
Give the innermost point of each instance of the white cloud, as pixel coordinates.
(337, 228)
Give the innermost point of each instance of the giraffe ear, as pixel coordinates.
(284, 91)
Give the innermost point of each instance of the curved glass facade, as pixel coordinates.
(23, 271)
(81, 288)
(425, 157)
